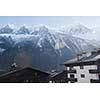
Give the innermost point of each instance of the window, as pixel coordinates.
(71, 75)
(82, 75)
(81, 67)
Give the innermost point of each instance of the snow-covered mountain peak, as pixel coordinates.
(77, 29)
(7, 26)
(13, 26)
(23, 30)
(6, 29)
(41, 28)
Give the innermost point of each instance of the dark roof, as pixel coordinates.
(2, 72)
(57, 74)
(60, 77)
(24, 69)
(88, 60)
(21, 74)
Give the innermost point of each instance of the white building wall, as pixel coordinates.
(84, 71)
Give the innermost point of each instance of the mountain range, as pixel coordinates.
(43, 47)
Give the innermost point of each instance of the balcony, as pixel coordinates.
(94, 71)
(71, 71)
(72, 80)
(95, 81)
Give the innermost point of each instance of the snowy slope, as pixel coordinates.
(57, 40)
(81, 31)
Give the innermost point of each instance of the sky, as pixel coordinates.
(53, 21)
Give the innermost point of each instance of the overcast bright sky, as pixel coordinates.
(54, 21)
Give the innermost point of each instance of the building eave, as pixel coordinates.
(79, 63)
(23, 69)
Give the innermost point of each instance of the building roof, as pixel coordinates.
(57, 74)
(21, 74)
(59, 77)
(86, 60)
(24, 69)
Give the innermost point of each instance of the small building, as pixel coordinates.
(25, 75)
(85, 68)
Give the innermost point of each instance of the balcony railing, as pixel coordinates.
(71, 71)
(94, 71)
(72, 80)
(95, 81)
